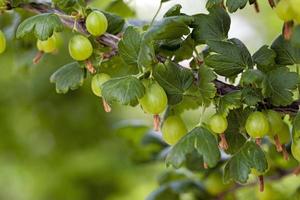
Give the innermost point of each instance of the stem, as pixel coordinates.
(261, 183)
(37, 58)
(106, 106)
(205, 165)
(258, 141)
(285, 153)
(256, 6)
(223, 143)
(89, 66)
(297, 171)
(278, 143)
(153, 19)
(156, 122)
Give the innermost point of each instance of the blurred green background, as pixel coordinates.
(64, 147)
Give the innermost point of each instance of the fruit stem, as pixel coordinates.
(261, 183)
(297, 170)
(205, 165)
(89, 66)
(277, 143)
(37, 58)
(223, 143)
(287, 30)
(153, 19)
(156, 122)
(256, 6)
(106, 106)
(272, 3)
(285, 153)
(258, 141)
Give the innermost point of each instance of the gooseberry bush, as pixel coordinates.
(141, 64)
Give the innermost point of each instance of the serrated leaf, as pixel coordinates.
(229, 101)
(264, 58)
(286, 53)
(199, 139)
(204, 91)
(120, 8)
(169, 28)
(251, 96)
(124, 90)
(296, 128)
(239, 166)
(129, 46)
(115, 23)
(42, 26)
(214, 26)
(212, 3)
(278, 86)
(173, 11)
(233, 132)
(228, 58)
(233, 5)
(174, 79)
(70, 76)
(252, 77)
(295, 39)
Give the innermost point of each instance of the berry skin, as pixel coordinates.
(96, 23)
(173, 129)
(275, 122)
(80, 48)
(284, 10)
(2, 42)
(155, 99)
(257, 125)
(296, 150)
(284, 134)
(48, 46)
(218, 124)
(97, 81)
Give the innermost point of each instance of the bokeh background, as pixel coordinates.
(64, 147)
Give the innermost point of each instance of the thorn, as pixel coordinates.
(156, 122)
(37, 58)
(278, 143)
(223, 143)
(205, 165)
(89, 66)
(272, 3)
(258, 141)
(106, 106)
(285, 153)
(261, 183)
(256, 6)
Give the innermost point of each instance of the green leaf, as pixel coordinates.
(228, 58)
(64, 3)
(70, 76)
(286, 53)
(252, 77)
(204, 90)
(295, 40)
(296, 128)
(120, 8)
(239, 166)
(214, 26)
(124, 90)
(233, 5)
(169, 28)
(251, 96)
(229, 101)
(129, 46)
(212, 3)
(278, 86)
(115, 23)
(173, 11)
(199, 139)
(42, 26)
(174, 79)
(264, 58)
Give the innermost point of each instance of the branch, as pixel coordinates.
(111, 41)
